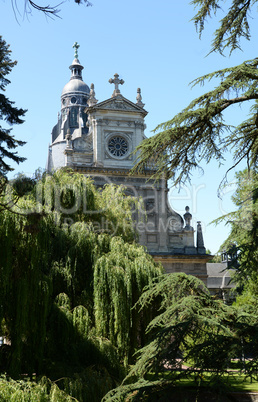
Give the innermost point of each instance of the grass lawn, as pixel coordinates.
(236, 381)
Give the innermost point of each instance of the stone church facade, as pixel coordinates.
(98, 139)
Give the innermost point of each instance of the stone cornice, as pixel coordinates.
(182, 258)
(110, 171)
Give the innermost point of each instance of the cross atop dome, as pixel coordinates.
(76, 68)
(76, 47)
(117, 82)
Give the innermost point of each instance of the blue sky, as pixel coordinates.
(151, 45)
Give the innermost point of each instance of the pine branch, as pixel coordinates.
(199, 133)
(8, 113)
(232, 27)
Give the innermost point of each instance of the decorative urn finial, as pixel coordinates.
(139, 98)
(92, 100)
(187, 217)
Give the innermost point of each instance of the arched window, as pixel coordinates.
(84, 118)
(74, 117)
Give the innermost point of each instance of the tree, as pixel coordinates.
(233, 26)
(242, 242)
(70, 275)
(48, 10)
(199, 133)
(216, 258)
(8, 113)
(191, 327)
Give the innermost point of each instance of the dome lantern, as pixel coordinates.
(76, 84)
(76, 68)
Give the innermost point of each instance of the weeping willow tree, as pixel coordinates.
(70, 275)
(119, 275)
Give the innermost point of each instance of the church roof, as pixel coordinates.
(75, 85)
(219, 276)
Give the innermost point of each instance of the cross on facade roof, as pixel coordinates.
(76, 47)
(116, 81)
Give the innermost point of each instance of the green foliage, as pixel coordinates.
(199, 132)
(243, 238)
(73, 287)
(8, 113)
(233, 26)
(191, 327)
(215, 259)
(70, 264)
(119, 275)
(23, 185)
(247, 301)
(188, 321)
(28, 391)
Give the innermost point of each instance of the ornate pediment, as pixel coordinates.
(118, 103)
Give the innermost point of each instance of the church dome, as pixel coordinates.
(75, 85)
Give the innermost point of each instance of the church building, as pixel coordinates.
(97, 138)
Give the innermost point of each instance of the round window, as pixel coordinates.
(73, 99)
(118, 146)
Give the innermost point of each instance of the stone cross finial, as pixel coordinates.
(76, 47)
(116, 81)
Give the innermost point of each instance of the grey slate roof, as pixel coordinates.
(219, 276)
